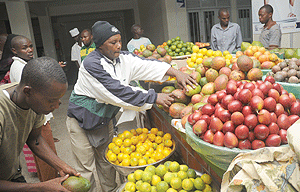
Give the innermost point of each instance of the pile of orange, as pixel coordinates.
(139, 147)
(260, 54)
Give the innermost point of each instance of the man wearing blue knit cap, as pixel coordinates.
(101, 90)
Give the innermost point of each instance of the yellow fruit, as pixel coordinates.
(182, 175)
(142, 46)
(146, 158)
(225, 53)
(132, 148)
(166, 152)
(168, 177)
(151, 137)
(112, 157)
(130, 186)
(114, 139)
(199, 61)
(160, 133)
(120, 157)
(138, 174)
(126, 156)
(161, 170)
(168, 143)
(155, 179)
(192, 64)
(111, 145)
(131, 178)
(158, 139)
(167, 136)
(134, 161)
(191, 173)
(127, 142)
(193, 58)
(142, 162)
(148, 154)
(209, 53)
(162, 186)
(199, 183)
(145, 130)
(199, 55)
(218, 53)
(116, 150)
(184, 168)
(151, 169)
(207, 188)
(109, 152)
(154, 131)
(127, 134)
(139, 131)
(119, 142)
(121, 136)
(187, 184)
(150, 161)
(127, 150)
(204, 51)
(142, 137)
(145, 187)
(174, 167)
(188, 60)
(154, 145)
(126, 162)
(134, 140)
(175, 183)
(194, 55)
(206, 178)
(195, 49)
(229, 56)
(133, 132)
(204, 57)
(141, 150)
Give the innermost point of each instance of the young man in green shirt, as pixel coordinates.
(89, 45)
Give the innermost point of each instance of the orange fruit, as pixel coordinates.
(127, 134)
(166, 152)
(158, 139)
(167, 136)
(120, 157)
(116, 150)
(132, 147)
(133, 132)
(141, 150)
(112, 157)
(125, 162)
(134, 161)
(119, 142)
(127, 150)
(111, 145)
(126, 156)
(154, 131)
(127, 142)
(168, 143)
(262, 50)
(142, 162)
(139, 131)
(145, 130)
(142, 137)
(134, 140)
(114, 139)
(151, 137)
(160, 133)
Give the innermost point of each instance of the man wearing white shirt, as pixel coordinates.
(75, 51)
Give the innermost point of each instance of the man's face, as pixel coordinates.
(86, 38)
(264, 16)
(24, 49)
(224, 18)
(111, 47)
(138, 30)
(44, 102)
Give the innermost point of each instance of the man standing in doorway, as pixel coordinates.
(137, 39)
(226, 36)
(89, 45)
(75, 51)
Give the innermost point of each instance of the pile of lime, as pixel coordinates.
(167, 177)
(177, 47)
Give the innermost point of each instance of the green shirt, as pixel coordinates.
(86, 50)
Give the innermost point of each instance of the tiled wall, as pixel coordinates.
(190, 157)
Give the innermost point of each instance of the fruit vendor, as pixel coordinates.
(137, 40)
(101, 90)
(22, 108)
(226, 36)
(271, 33)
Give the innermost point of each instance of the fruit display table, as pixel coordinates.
(194, 160)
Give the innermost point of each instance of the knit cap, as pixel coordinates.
(102, 30)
